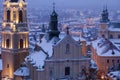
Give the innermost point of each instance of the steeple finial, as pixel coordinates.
(53, 6)
(106, 7)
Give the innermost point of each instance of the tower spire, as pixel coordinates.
(53, 6)
(53, 25)
(105, 14)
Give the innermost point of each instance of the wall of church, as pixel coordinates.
(36, 74)
(67, 50)
(56, 69)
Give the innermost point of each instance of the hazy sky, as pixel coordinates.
(75, 3)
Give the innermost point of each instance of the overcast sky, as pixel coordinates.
(75, 3)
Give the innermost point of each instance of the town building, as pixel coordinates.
(106, 49)
(105, 54)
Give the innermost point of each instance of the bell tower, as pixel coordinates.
(14, 36)
(104, 23)
(53, 25)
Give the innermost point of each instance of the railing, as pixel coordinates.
(15, 50)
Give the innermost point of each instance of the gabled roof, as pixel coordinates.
(67, 38)
(23, 71)
(104, 47)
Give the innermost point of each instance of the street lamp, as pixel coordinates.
(102, 77)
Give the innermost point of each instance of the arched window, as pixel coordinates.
(67, 48)
(14, 15)
(8, 15)
(21, 43)
(7, 43)
(20, 16)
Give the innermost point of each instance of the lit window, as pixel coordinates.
(14, 15)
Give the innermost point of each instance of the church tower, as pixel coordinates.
(14, 36)
(53, 25)
(104, 23)
(104, 16)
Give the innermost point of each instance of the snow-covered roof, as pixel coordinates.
(22, 71)
(0, 64)
(37, 59)
(115, 75)
(114, 29)
(47, 46)
(114, 26)
(105, 47)
(79, 38)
